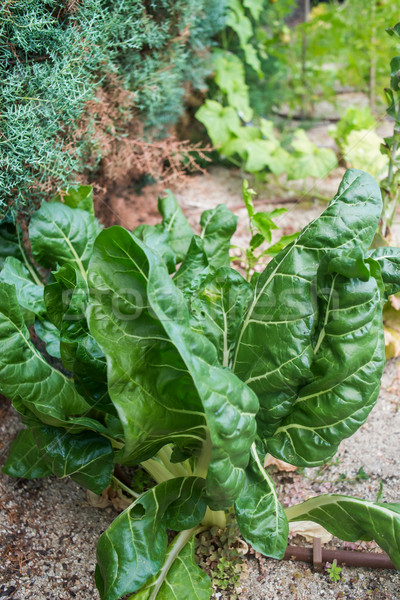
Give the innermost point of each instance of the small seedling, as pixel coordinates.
(333, 571)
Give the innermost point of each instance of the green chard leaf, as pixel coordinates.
(86, 457)
(25, 375)
(217, 227)
(259, 513)
(29, 293)
(194, 268)
(50, 335)
(133, 549)
(25, 459)
(352, 519)
(152, 347)
(157, 238)
(218, 307)
(349, 356)
(179, 577)
(176, 224)
(275, 346)
(60, 234)
(389, 262)
(81, 198)
(148, 382)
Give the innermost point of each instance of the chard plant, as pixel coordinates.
(163, 356)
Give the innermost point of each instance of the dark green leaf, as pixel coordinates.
(275, 346)
(217, 227)
(395, 73)
(157, 238)
(148, 382)
(259, 513)
(60, 235)
(133, 548)
(25, 459)
(349, 355)
(218, 307)
(86, 457)
(50, 335)
(394, 31)
(122, 264)
(194, 267)
(181, 578)
(176, 224)
(24, 374)
(29, 294)
(389, 262)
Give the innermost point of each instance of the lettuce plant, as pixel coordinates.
(173, 361)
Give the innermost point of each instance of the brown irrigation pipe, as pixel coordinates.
(318, 556)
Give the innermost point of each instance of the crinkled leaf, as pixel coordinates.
(24, 373)
(183, 578)
(86, 457)
(218, 307)
(147, 380)
(259, 513)
(66, 302)
(25, 459)
(275, 347)
(352, 519)
(389, 262)
(133, 548)
(217, 227)
(194, 267)
(228, 404)
(158, 239)
(60, 234)
(349, 355)
(29, 294)
(175, 223)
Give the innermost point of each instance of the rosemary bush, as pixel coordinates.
(55, 56)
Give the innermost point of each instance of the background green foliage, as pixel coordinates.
(54, 56)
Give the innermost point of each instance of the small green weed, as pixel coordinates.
(219, 553)
(333, 571)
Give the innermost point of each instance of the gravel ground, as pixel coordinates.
(48, 530)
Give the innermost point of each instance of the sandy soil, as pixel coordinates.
(48, 531)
